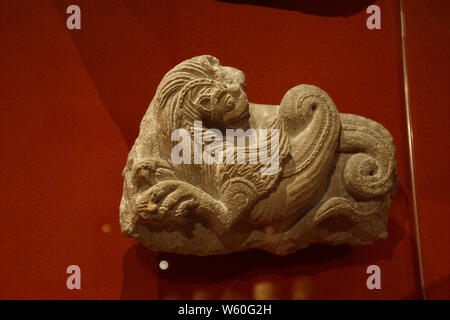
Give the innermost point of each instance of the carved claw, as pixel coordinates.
(167, 199)
(172, 201)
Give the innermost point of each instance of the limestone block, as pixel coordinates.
(211, 173)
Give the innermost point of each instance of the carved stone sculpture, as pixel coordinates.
(322, 176)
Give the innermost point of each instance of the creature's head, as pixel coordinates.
(201, 89)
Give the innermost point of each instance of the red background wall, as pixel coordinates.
(70, 108)
(428, 48)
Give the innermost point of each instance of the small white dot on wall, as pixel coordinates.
(163, 265)
(106, 228)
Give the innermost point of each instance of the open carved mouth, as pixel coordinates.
(240, 120)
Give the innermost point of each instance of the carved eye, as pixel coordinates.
(228, 103)
(313, 106)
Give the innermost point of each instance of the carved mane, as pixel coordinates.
(181, 85)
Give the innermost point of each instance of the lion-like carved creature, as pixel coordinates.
(333, 181)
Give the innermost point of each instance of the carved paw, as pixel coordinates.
(168, 199)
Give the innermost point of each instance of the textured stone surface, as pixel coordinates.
(335, 179)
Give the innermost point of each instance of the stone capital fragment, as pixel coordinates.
(211, 173)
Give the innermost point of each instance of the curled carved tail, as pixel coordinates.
(369, 172)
